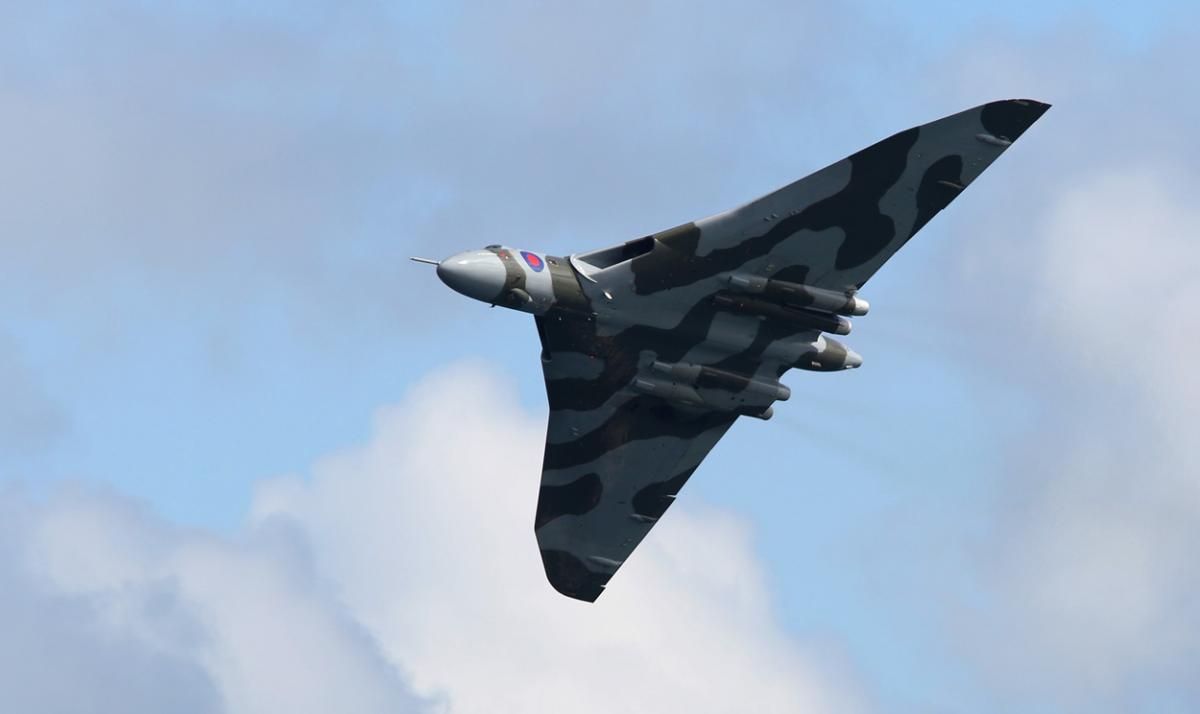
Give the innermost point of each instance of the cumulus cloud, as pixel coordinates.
(163, 619)
(1087, 298)
(63, 651)
(403, 576)
(1096, 559)
(1119, 260)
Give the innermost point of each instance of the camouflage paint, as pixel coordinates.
(653, 348)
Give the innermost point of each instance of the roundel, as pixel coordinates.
(533, 261)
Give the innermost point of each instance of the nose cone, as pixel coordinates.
(477, 274)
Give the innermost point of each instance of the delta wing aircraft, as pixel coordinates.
(651, 349)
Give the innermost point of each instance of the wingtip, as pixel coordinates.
(571, 577)
(1009, 118)
(582, 595)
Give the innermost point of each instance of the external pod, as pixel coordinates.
(801, 317)
(705, 376)
(801, 295)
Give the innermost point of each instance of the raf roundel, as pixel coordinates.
(533, 261)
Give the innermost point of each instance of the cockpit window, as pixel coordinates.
(489, 247)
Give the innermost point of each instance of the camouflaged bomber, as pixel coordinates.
(651, 349)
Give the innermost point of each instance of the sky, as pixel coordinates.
(243, 441)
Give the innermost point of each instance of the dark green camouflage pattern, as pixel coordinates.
(653, 348)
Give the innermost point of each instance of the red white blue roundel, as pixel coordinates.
(533, 261)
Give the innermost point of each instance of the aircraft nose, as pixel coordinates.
(477, 274)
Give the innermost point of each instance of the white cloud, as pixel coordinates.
(429, 532)
(247, 620)
(1089, 580)
(413, 558)
(64, 652)
(1100, 563)
(1119, 280)
(1087, 296)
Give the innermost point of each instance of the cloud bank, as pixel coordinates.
(402, 576)
(1087, 300)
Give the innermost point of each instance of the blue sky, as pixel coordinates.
(206, 212)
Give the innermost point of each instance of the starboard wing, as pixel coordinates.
(834, 229)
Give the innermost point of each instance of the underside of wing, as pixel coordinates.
(833, 229)
(615, 456)
(594, 508)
